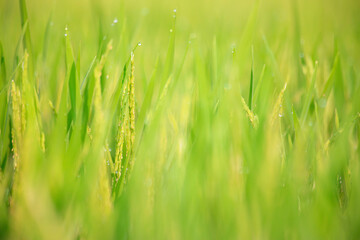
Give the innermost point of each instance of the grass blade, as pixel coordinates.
(169, 61)
(251, 89)
(309, 96)
(73, 97)
(2, 68)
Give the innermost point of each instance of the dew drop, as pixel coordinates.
(139, 44)
(171, 30)
(233, 48)
(115, 21)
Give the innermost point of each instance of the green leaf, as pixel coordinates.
(69, 54)
(310, 94)
(85, 80)
(145, 107)
(330, 82)
(46, 38)
(2, 68)
(73, 96)
(169, 61)
(24, 21)
(251, 88)
(16, 52)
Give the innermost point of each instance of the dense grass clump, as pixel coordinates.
(179, 119)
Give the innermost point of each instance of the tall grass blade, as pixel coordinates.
(251, 88)
(309, 96)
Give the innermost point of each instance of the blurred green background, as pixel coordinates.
(247, 120)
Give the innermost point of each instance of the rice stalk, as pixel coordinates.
(254, 120)
(17, 119)
(131, 90)
(278, 108)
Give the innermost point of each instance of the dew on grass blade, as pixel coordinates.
(115, 21)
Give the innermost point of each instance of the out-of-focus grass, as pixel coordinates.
(231, 119)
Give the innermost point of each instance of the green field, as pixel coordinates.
(179, 119)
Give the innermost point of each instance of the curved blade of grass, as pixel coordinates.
(169, 61)
(274, 63)
(251, 88)
(296, 121)
(69, 54)
(148, 96)
(309, 96)
(24, 19)
(330, 82)
(77, 81)
(146, 104)
(4, 122)
(2, 68)
(21, 38)
(299, 53)
(249, 28)
(27, 38)
(279, 81)
(85, 80)
(181, 65)
(259, 84)
(71, 117)
(46, 38)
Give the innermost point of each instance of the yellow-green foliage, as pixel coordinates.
(231, 119)
(17, 121)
